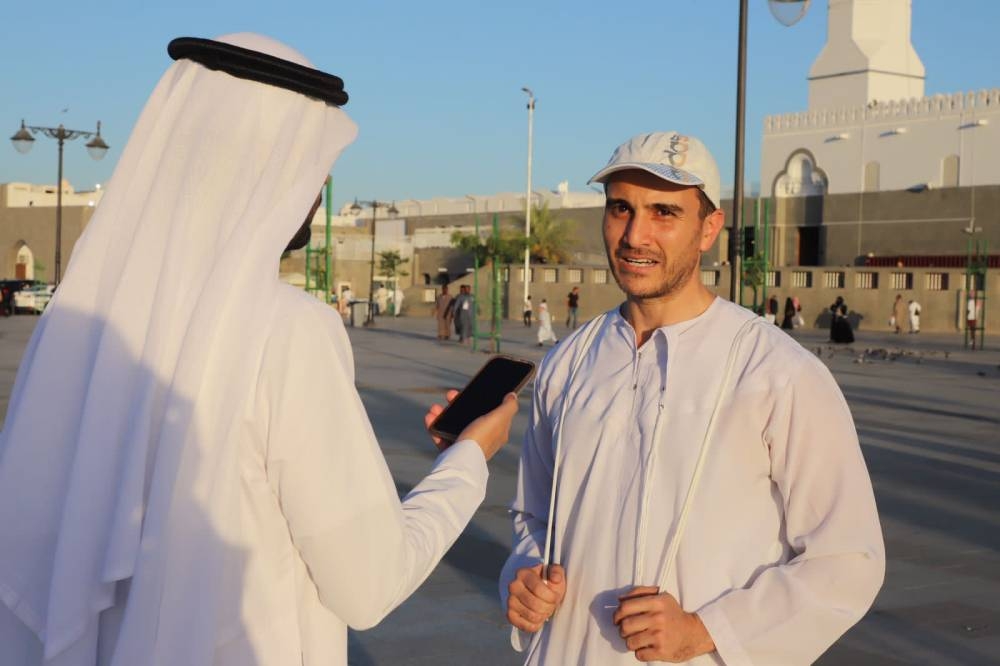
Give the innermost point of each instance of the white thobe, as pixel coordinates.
(326, 542)
(545, 331)
(783, 550)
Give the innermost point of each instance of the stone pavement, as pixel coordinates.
(928, 414)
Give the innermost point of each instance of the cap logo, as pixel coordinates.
(677, 150)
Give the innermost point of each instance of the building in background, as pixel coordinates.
(874, 166)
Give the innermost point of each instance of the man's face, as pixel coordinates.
(302, 236)
(653, 233)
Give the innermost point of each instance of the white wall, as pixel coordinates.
(909, 139)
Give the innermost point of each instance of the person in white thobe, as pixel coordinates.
(209, 491)
(397, 302)
(686, 465)
(913, 308)
(545, 332)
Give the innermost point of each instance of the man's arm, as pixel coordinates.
(365, 550)
(793, 612)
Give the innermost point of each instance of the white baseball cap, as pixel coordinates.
(672, 156)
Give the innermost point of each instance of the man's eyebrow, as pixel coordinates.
(669, 207)
(612, 201)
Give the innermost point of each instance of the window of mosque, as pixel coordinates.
(550, 275)
(575, 275)
(872, 177)
(802, 279)
(531, 275)
(937, 282)
(866, 280)
(710, 278)
(833, 279)
(949, 171)
(600, 276)
(772, 278)
(902, 280)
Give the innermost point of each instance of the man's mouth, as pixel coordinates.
(638, 262)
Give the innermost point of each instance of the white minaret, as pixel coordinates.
(868, 56)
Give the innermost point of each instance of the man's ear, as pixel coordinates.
(711, 226)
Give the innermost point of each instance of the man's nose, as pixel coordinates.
(637, 230)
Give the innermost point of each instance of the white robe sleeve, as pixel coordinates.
(366, 552)
(530, 508)
(793, 612)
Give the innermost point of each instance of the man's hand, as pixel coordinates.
(490, 431)
(533, 600)
(656, 628)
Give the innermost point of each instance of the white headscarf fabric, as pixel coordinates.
(118, 456)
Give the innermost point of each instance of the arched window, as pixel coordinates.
(949, 171)
(871, 177)
(24, 263)
(801, 177)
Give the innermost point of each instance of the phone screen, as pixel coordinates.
(498, 377)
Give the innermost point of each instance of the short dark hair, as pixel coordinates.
(705, 205)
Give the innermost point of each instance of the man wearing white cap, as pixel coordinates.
(691, 486)
(187, 474)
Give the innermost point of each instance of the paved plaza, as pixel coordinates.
(928, 414)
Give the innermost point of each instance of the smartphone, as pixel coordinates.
(484, 393)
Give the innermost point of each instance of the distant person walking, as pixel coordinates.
(914, 309)
(443, 311)
(572, 304)
(898, 314)
(842, 332)
(344, 302)
(545, 331)
(788, 323)
(834, 311)
(971, 310)
(397, 302)
(771, 313)
(462, 309)
(527, 311)
(799, 321)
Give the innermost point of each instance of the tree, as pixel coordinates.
(754, 274)
(500, 247)
(389, 263)
(551, 237)
(505, 249)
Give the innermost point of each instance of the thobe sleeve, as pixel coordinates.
(793, 612)
(366, 551)
(530, 508)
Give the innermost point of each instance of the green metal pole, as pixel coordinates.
(496, 286)
(328, 251)
(475, 293)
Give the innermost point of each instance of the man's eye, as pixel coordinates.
(663, 211)
(619, 209)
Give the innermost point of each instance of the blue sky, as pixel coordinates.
(435, 86)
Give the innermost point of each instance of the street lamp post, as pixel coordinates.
(527, 198)
(356, 208)
(788, 13)
(23, 142)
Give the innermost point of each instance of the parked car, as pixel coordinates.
(32, 298)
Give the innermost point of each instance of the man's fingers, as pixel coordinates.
(631, 626)
(640, 642)
(531, 615)
(556, 574)
(640, 591)
(540, 589)
(635, 606)
(521, 623)
(450, 394)
(531, 601)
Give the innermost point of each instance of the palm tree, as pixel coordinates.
(551, 237)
